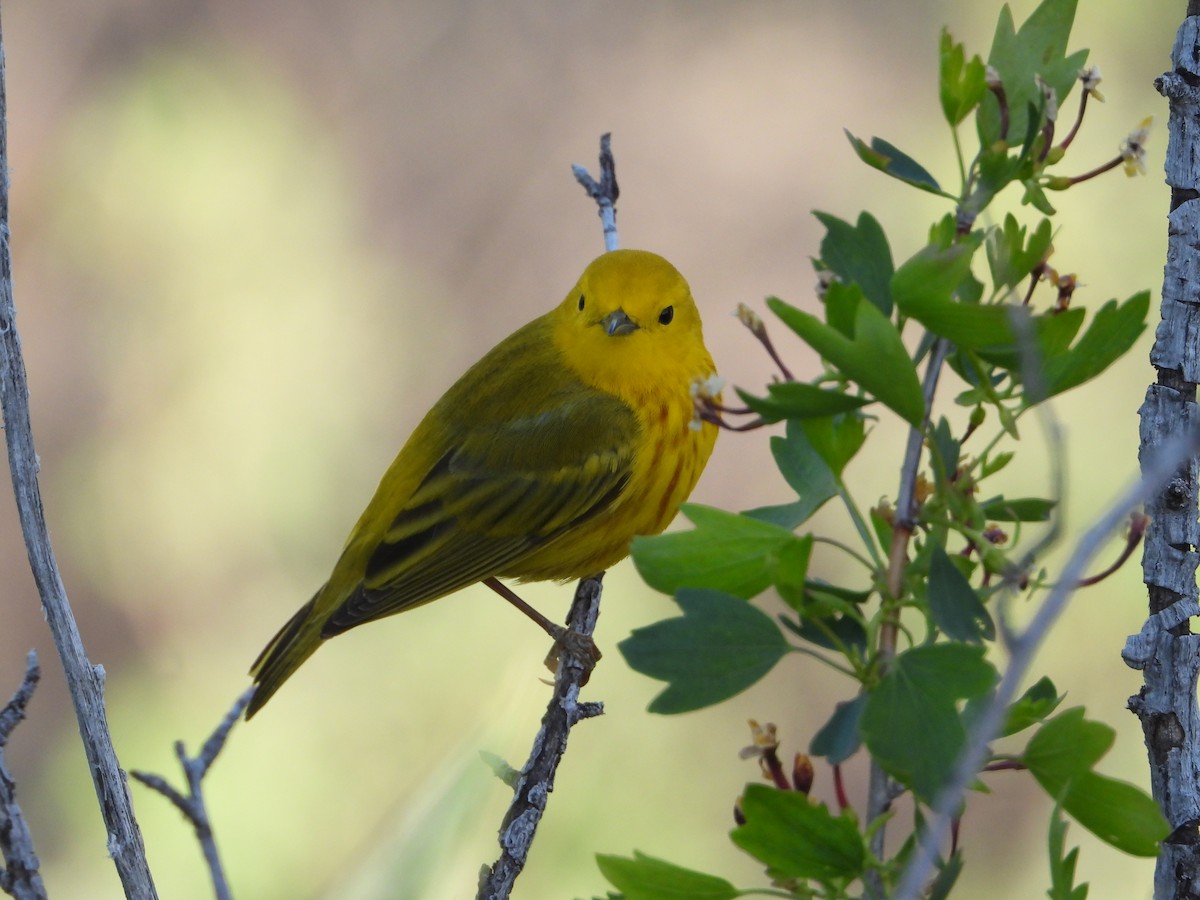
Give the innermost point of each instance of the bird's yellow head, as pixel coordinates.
(630, 320)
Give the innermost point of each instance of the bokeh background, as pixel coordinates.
(254, 242)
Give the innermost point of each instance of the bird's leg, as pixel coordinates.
(581, 646)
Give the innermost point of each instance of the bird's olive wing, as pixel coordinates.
(506, 489)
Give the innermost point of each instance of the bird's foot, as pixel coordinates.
(576, 646)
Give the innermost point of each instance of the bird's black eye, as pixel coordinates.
(581, 302)
(665, 317)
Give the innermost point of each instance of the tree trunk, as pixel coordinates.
(1166, 650)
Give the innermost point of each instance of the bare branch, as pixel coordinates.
(535, 781)
(20, 877)
(192, 805)
(85, 681)
(605, 191)
(14, 712)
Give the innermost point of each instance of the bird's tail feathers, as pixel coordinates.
(287, 651)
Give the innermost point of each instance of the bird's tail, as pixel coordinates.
(295, 642)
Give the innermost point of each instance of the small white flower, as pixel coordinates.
(708, 388)
(1090, 78)
(1133, 149)
(749, 317)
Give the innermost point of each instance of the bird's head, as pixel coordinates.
(631, 318)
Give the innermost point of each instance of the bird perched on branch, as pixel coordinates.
(542, 462)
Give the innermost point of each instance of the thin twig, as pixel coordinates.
(85, 681)
(605, 191)
(1137, 527)
(192, 806)
(20, 877)
(1022, 647)
(757, 327)
(14, 711)
(535, 781)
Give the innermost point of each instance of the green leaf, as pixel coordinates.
(1061, 756)
(1066, 747)
(827, 621)
(1053, 333)
(997, 169)
(1062, 865)
(1035, 196)
(838, 739)
(797, 838)
(1020, 509)
(859, 254)
(961, 85)
(1117, 812)
(791, 568)
(924, 288)
(719, 647)
(874, 357)
(895, 162)
(948, 873)
(785, 515)
(836, 439)
(806, 470)
(996, 463)
(1031, 707)
(1038, 48)
(1009, 258)
(797, 400)
(931, 276)
(944, 451)
(845, 627)
(953, 603)
(911, 723)
(725, 552)
(647, 878)
(1113, 331)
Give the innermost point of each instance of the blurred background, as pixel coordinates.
(254, 242)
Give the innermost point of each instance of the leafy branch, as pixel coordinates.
(912, 627)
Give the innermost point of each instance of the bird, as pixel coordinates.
(570, 437)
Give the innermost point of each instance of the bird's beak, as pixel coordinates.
(618, 323)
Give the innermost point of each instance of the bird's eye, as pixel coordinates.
(665, 317)
(581, 302)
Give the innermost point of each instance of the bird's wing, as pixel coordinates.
(503, 491)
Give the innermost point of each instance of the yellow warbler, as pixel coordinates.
(571, 436)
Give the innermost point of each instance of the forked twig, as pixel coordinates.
(192, 805)
(604, 191)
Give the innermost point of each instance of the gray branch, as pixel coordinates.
(533, 784)
(603, 190)
(85, 681)
(192, 804)
(21, 876)
(1165, 650)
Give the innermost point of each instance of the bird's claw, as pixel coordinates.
(577, 646)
